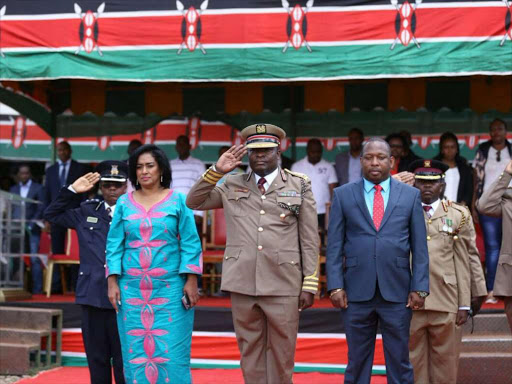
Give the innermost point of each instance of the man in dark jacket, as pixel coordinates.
(28, 188)
(91, 220)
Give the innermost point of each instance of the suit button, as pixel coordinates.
(430, 221)
(262, 212)
(260, 247)
(91, 228)
(263, 197)
(109, 223)
(428, 237)
(81, 273)
(226, 257)
(104, 265)
(260, 229)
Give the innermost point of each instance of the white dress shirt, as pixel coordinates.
(24, 188)
(66, 166)
(269, 178)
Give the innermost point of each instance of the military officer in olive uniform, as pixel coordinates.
(434, 336)
(91, 220)
(271, 259)
(497, 201)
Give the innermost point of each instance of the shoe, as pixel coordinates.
(491, 299)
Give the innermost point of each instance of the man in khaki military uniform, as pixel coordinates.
(270, 264)
(497, 201)
(434, 337)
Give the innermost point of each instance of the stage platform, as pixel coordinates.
(321, 343)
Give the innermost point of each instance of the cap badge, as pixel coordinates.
(114, 171)
(426, 164)
(261, 128)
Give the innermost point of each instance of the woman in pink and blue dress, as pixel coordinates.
(153, 260)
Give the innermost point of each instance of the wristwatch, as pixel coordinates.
(422, 294)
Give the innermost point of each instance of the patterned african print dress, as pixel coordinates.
(152, 252)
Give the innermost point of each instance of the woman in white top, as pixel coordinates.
(459, 177)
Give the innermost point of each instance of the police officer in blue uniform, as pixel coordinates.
(91, 220)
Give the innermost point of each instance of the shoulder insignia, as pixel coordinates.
(91, 201)
(297, 174)
(445, 205)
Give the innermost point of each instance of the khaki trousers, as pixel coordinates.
(434, 347)
(266, 331)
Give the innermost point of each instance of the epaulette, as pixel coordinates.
(297, 174)
(459, 207)
(92, 201)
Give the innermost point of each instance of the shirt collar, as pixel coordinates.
(269, 178)
(63, 163)
(368, 185)
(434, 205)
(27, 184)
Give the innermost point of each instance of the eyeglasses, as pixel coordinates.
(498, 155)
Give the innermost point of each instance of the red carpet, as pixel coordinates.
(75, 375)
(220, 302)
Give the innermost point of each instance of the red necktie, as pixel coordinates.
(261, 186)
(378, 206)
(427, 209)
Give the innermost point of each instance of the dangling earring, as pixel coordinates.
(137, 182)
(161, 179)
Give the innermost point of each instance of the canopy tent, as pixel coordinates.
(253, 40)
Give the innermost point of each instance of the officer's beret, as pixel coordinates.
(428, 169)
(263, 136)
(113, 170)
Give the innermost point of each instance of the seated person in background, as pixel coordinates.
(459, 176)
(27, 188)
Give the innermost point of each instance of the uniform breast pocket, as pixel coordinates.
(238, 203)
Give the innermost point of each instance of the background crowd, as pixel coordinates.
(465, 183)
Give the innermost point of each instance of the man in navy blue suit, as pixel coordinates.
(377, 264)
(64, 172)
(28, 188)
(91, 220)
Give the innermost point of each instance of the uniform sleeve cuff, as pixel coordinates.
(464, 308)
(211, 176)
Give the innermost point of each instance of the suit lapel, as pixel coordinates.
(358, 191)
(394, 197)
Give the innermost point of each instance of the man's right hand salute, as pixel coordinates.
(231, 159)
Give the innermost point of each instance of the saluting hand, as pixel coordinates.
(231, 159)
(405, 177)
(86, 182)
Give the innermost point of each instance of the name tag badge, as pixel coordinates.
(91, 219)
(288, 194)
